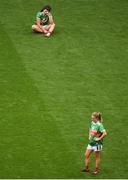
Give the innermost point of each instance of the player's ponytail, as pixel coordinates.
(100, 117)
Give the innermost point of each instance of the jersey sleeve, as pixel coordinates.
(101, 128)
(38, 15)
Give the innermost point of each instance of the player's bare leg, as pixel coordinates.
(97, 158)
(87, 160)
(38, 29)
(50, 29)
(87, 156)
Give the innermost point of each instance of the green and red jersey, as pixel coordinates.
(95, 131)
(44, 18)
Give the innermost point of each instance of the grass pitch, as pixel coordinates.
(50, 87)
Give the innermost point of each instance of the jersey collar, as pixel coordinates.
(95, 123)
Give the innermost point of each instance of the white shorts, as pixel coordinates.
(97, 147)
(47, 26)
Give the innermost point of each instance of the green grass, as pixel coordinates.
(50, 87)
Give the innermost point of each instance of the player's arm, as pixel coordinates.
(51, 21)
(102, 136)
(89, 135)
(38, 22)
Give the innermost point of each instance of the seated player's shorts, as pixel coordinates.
(97, 147)
(47, 26)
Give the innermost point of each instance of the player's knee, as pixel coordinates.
(97, 155)
(33, 27)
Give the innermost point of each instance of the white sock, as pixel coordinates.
(48, 34)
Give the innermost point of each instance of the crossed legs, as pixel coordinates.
(47, 29)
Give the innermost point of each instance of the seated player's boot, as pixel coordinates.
(86, 169)
(95, 170)
(47, 34)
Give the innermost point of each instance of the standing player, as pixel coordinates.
(96, 135)
(44, 21)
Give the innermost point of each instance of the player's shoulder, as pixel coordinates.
(39, 14)
(99, 124)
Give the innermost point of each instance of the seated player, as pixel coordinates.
(44, 22)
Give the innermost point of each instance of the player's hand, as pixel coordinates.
(45, 31)
(49, 14)
(97, 139)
